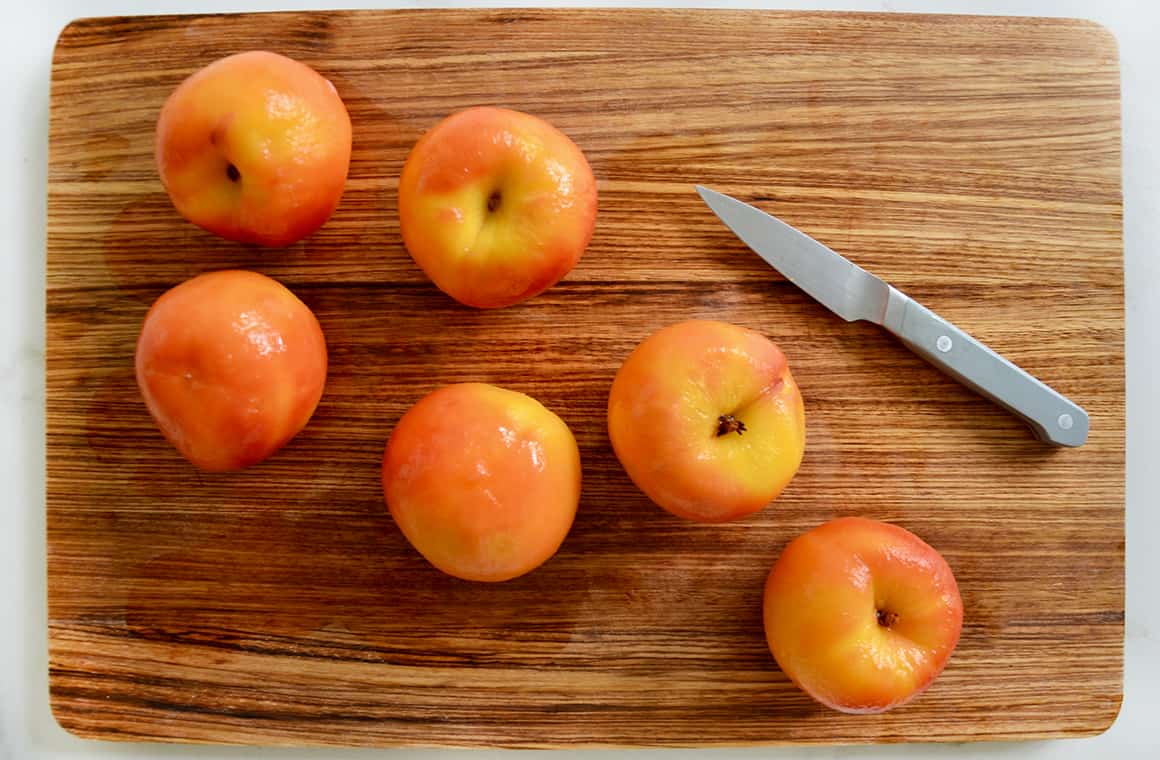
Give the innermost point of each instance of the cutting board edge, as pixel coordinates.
(1111, 715)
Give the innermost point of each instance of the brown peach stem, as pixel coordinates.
(886, 618)
(727, 423)
(493, 202)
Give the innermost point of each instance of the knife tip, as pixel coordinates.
(711, 198)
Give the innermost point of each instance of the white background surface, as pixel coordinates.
(27, 730)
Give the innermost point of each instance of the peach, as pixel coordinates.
(707, 420)
(231, 366)
(483, 481)
(255, 148)
(496, 206)
(861, 615)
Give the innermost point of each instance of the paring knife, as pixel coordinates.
(854, 294)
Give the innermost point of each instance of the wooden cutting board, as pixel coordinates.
(973, 162)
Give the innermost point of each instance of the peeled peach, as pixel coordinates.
(496, 205)
(231, 366)
(484, 482)
(862, 615)
(707, 420)
(255, 147)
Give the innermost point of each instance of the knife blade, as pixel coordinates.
(854, 294)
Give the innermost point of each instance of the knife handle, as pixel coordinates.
(1053, 417)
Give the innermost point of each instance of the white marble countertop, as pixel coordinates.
(27, 730)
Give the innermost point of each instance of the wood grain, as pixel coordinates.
(973, 162)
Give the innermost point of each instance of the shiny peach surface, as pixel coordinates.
(255, 147)
(706, 419)
(862, 615)
(496, 205)
(484, 482)
(231, 366)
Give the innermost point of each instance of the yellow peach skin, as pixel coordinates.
(496, 205)
(255, 147)
(706, 419)
(861, 615)
(484, 482)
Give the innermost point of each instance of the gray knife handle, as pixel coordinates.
(1052, 416)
